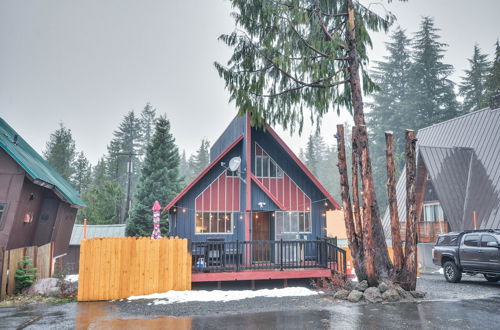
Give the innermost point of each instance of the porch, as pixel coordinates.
(218, 260)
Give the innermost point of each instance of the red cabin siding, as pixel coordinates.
(221, 195)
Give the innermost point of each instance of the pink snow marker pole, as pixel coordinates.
(156, 221)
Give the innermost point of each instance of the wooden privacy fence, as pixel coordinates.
(120, 267)
(9, 262)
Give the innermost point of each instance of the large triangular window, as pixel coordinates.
(265, 166)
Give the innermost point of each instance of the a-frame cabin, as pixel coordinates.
(268, 214)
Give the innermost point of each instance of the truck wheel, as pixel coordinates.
(451, 272)
(492, 278)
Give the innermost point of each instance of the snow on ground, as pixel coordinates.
(440, 271)
(171, 297)
(71, 278)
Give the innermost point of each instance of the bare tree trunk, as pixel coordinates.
(408, 276)
(393, 205)
(355, 187)
(352, 239)
(354, 80)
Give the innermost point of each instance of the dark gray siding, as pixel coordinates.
(479, 131)
(233, 131)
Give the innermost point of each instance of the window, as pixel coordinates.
(213, 222)
(293, 222)
(433, 212)
(485, 239)
(265, 166)
(3, 208)
(471, 240)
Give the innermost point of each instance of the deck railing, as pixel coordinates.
(235, 256)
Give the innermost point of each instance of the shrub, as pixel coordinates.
(25, 274)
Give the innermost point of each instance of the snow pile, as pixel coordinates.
(71, 278)
(171, 297)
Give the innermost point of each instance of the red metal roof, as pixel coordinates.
(212, 164)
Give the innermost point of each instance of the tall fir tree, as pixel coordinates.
(60, 151)
(159, 181)
(473, 85)
(147, 122)
(433, 99)
(493, 78)
(82, 177)
(314, 153)
(184, 171)
(391, 107)
(199, 160)
(103, 198)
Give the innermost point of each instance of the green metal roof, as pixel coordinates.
(35, 166)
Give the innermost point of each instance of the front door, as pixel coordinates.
(261, 235)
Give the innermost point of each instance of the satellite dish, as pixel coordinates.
(234, 164)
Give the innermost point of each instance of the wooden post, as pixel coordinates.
(393, 204)
(84, 228)
(409, 273)
(475, 219)
(352, 240)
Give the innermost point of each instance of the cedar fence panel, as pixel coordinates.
(119, 267)
(41, 257)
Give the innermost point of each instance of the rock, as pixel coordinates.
(48, 287)
(372, 295)
(391, 295)
(341, 294)
(361, 286)
(403, 293)
(418, 294)
(355, 296)
(383, 287)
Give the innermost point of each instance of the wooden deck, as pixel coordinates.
(261, 275)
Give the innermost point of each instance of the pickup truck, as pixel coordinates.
(471, 252)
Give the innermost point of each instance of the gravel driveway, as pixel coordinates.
(471, 287)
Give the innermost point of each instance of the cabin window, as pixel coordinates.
(3, 208)
(265, 166)
(213, 222)
(293, 222)
(433, 212)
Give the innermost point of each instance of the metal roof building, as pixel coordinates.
(461, 157)
(94, 231)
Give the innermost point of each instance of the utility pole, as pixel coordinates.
(129, 180)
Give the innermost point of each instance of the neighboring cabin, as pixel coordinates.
(274, 197)
(37, 205)
(458, 173)
(71, 260)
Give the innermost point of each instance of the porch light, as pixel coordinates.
(175, 209)
(241, 217)
(324, 214)
(326, 204)
(183, 210)
(308, 208)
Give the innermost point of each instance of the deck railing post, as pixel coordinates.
(281, 254)
(237, 255)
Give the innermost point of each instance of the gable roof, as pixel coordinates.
(35, 166)
(94, 231)
(303, 167)
(462, 156)
(208, 168)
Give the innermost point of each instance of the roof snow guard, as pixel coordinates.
(38, 170)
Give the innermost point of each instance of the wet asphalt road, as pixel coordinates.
(464, 314)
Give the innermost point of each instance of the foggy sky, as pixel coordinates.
(87, 63)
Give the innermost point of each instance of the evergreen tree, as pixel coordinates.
(493, 79)
(60, 151)
(433, 98)
(199, 161)
(83, 173)
(147, 121)
(473, 86)
(102, 199)
(314, 153)
(184, 171)
(159, 181)
(391, 108)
